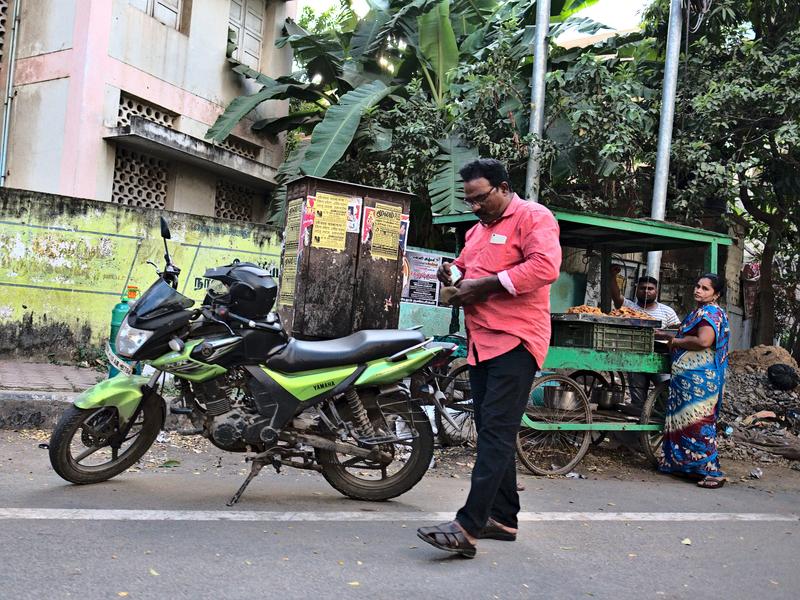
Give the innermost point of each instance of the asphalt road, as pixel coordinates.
(166, 533)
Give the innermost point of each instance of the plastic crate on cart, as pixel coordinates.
(614, 338)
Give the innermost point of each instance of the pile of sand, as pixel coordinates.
(760, 358)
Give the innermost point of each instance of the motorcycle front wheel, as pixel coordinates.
(372, 480)
(81, 450)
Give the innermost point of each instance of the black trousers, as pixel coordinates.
(500, 390)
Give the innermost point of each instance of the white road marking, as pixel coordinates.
(91, 514)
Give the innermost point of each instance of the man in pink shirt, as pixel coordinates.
(508, 263)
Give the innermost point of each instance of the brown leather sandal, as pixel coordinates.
(711, 483)
(493, 531)
(448, 537)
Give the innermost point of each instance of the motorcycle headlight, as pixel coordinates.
(130, 339)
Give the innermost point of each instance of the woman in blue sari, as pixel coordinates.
(699, 358)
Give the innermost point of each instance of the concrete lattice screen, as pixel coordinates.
(234, 201)
(139, 180)
(130, 106)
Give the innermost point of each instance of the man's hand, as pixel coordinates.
(443, 273)
(472, 291)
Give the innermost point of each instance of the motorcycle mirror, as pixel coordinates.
(165, 229)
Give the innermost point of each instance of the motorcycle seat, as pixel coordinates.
(359, 347)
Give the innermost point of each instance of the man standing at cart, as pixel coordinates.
(509, 260)
(647, 301)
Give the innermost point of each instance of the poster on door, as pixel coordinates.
(330, 221)
(385, 231)
(420, 285)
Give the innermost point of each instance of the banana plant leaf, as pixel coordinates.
(437, 43)
(242, 105)
(375, 138)
(403, 23)
(289, 169)
(333, 136)
(367, 32)
(302, 119)
(322, 54)
(235, 112)
(446, 188)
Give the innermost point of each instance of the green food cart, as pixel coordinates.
(562, 420)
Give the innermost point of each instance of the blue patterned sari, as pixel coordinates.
(695, 396)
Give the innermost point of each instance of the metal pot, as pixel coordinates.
(603, 398)
(606, 399)
(559, 398)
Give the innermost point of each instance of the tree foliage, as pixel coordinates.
(431, 52)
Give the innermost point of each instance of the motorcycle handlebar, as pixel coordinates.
(224, 313)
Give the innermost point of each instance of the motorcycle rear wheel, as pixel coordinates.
(79, 448)
(367, 480)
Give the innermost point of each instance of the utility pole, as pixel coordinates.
(536, 123)
(665, 126)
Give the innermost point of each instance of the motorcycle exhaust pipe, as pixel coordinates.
(322, 443)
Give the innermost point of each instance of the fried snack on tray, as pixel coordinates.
(584, 309)
(631, 313)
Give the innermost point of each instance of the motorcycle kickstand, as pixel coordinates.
(255, 469)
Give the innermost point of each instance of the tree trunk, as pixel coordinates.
(795, 350)
(766, 295)
(793, 345)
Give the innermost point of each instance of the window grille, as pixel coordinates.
(234, 201)
(3, 25)
(240, 147)
(247, 20)
(134, 107)
(139, 180)
(167, 12)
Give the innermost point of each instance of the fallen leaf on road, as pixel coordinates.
(248, 562)
(340, 562)
(353, 583)
(153, 572)
(122, 594)
(632, 555)
(170, 463)
(358, 562)
(686, 542)
(568, 547)
(773, 582)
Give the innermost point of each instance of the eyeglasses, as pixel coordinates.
(480, 198)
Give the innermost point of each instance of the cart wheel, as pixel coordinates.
(618, 382)
(589, 380)
(458, 401)
(654, 412)
(553, 452)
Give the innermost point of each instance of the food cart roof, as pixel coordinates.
(617, 234)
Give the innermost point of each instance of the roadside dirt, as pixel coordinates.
(195, 454)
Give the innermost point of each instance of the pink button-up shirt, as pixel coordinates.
(522, 249)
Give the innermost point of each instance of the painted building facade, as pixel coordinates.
(110, 100)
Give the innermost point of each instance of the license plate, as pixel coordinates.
(116, 362)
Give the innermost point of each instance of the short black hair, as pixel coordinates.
(717, 282)
(492, 170)
(647, 279)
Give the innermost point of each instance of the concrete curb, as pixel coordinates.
(32, 409)
(21, 409)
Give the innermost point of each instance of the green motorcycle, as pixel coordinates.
(338, 407)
